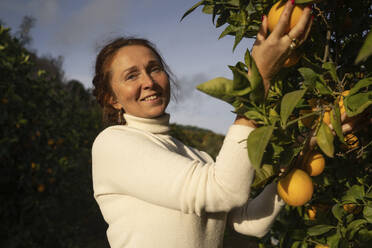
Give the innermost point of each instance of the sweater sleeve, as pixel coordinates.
(128, 163)
(256, 216)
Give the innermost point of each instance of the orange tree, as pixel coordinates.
(47, 128)
(294, 118)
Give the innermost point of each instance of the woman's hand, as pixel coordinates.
(270, 51)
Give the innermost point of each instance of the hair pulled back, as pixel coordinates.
(102, 89)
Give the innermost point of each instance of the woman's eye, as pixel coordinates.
(131, 77)
(156, 69)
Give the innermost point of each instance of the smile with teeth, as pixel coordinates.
(150, 98)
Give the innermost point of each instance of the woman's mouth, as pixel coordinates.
(150, 98)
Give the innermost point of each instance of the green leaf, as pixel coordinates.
(288, 104)
(334, 239)
(257, 142)
(356, 104)
(354, 227)
(263, 175)
(324, 139)
(319, 229)
(254, 115)
(366, 49)
(310, 77)
(192, 9)
(296, 244)
(219, 87)
(365, 235)
(228, 30)
(363, 83)
(254, 77)
(357, 191)
(303, 1)
(240, 80)
(338, 212)
(238, 36)
(208, 9)
(322, 88)
(331, 68)
(336, 122)
(367, 213)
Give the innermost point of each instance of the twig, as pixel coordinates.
(328, 36)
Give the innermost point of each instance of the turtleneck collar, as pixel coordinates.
(158, 125)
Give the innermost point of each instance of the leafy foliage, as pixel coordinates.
(336, 58)
(47, 131)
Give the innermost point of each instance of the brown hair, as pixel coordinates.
(101, 81)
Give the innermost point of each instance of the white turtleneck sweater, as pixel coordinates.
(154, 191)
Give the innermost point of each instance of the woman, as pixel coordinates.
(153, 190)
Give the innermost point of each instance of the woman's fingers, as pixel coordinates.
(262, 33)
(302, 28)
(283, 23)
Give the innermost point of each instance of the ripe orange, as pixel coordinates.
(296, 188)
(275, 12)
(314, 164)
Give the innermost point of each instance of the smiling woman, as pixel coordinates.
(139, 83)
(121, 66)
(153, 190)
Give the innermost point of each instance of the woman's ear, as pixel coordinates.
(114, 103)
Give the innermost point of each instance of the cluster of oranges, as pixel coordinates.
(296, 188)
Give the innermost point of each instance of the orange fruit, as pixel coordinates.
(275, 12)
(296, 188)
(314, 164)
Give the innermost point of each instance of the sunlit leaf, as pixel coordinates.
(192, 9)
(257, 142)
(219, 87)
(325, 139)
(254, 77)
(288, 104)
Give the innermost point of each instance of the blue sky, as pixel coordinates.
(75, 29)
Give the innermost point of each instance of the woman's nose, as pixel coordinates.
(148, 82)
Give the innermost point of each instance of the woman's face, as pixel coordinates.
(139, 82)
